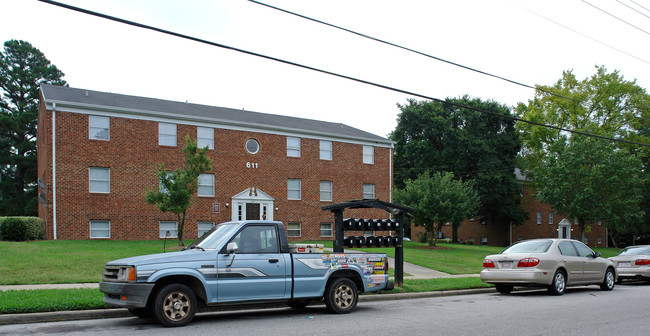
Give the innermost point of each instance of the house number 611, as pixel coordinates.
(251, 165)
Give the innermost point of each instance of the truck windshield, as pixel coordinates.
(213, 238)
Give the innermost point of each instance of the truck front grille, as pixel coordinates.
(111, 273)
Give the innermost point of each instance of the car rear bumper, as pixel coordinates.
(632, 273)
(517, 277)
(129, 295)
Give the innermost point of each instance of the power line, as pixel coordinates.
(632, 8)
(616, 17)
(409, 49)
(196, 39)
(583, 35)
(636, 3)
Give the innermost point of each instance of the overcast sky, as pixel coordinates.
(514, 39)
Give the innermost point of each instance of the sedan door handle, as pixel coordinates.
(273, 261)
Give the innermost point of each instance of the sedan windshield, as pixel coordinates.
(213, 238)
(532, 246)
(635, 250)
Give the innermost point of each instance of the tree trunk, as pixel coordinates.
(581, 225)
(454, 232)
(181, 225)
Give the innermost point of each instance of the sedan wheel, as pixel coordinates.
(610, 279)
(558, 286)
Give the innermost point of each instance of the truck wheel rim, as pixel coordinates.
(176, 306)
(343, 296)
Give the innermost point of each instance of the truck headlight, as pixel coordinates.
(127, 274)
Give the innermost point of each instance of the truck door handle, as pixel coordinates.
(273, 261)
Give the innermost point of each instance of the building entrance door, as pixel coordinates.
(252, 211)
(564, 229)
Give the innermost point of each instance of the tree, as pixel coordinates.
(23, 69)
(437, 198)
(177, 187)
(590, 180)
(433, 137)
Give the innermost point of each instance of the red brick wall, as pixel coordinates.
(133, 155)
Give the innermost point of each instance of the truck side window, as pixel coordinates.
(257, 239)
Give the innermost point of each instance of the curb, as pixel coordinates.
(92, 314)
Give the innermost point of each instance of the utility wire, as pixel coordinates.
(636, 3)
(583, 35)
(632, 8)
(411, 50)
(616, 17)
(196, 39)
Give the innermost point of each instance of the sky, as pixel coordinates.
(531, 42)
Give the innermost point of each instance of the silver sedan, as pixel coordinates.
(553, 263)
(633, 262)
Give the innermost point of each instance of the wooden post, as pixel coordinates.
(399, 252)
(338, 231)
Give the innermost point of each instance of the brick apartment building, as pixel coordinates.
(98, 153)
(543, 222)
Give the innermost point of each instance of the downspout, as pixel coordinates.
(390, 174)
(54, 169)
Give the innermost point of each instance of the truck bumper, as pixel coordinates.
(390, 285)
(128, 295)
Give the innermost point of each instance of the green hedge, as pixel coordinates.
(21, 228)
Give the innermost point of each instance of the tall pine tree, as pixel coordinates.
(23, 69)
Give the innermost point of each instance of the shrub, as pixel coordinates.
(21, 228)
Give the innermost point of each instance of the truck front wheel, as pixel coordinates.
(341, 296)
(175, 305)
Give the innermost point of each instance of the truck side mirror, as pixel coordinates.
(232, 248)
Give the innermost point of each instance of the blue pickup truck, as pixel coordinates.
(235, 263)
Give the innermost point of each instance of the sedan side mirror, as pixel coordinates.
(596, 254)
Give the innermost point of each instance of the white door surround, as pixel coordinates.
(252, 195)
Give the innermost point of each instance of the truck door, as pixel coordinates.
(258, 270)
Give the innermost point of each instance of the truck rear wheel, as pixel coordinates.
(341, 296)
(175, 305)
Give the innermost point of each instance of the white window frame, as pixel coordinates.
(291, 188)
(173, 233)
(367, 192)
(96, 124)
(205, 181)
(550, 217)
(291, 229)
(325, 150)
(254, 142)
(369, 154)
(205, 137)
(94, 230)
(331, 230)
(93, 183)
(167, 136)
(293, 146)
(203, 230)
(326, 191)
(539, 217)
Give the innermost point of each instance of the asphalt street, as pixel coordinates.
(581, 311)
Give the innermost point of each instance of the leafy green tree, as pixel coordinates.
(177, 187)
(434, 137)
(437, 198)
(23, 68)
(590, 180)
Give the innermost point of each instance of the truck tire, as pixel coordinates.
(174, 305)
(341, 296)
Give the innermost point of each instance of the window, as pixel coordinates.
(204, 227)
(326, 191)
(368, 154)
(550, 218)
(483, 241)
(586, 241)
(166, 134)
(252, 146)
(567, 249)
(205, 137)
(99, 180)
(99, 128)
(600, 222)
(368, 191)
(293, 189)
(161, 187)
(326, 230)
(325, 150)
(583, 250)
(539, 217)
(100, 229)
(206, 185)
(293, 147)
(168, 229)
(293, 230)
(600, 240)
(257, 239)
